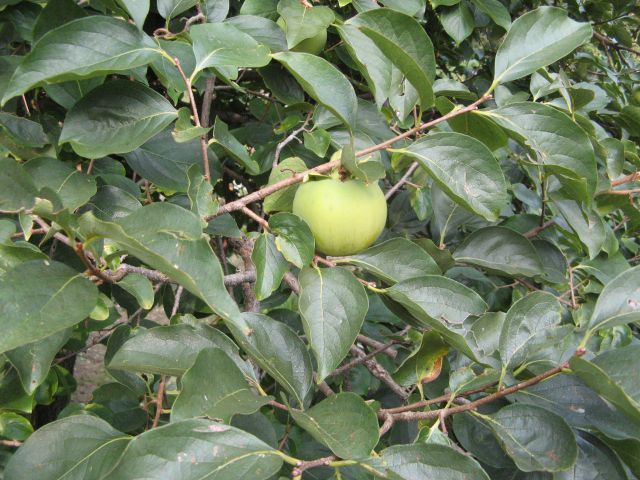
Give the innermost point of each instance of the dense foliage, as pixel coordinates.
(150, 154)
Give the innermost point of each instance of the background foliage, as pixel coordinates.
(149, 155)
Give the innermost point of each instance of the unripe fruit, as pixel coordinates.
(345, 217)
(313, 45)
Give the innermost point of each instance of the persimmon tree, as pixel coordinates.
(150, 154)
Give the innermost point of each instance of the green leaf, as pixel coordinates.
(172, 349)
(372, 62)
(404, 41)
(496, 11)
(556, 36)
(197, 449)
(302, 22)
(280, 352)
(80, 447)
(333, 305)
(165, 162)
(217, 393)
(619, 301)
(595, 459)
(609, 375)
(73, 187)
(589, 226)
(324, 83)
(500, 250)
(14, 426)
(558, 143)
(120, 406)
(534, 438)
(344, 423)
(293, 238)
(169, 238)
(233, 147)
(270, 266)
(33, 360)
(171, 8)
(474, 124)
(394, 260)
(441, 304)
(422, 461)
(478, 439)
(425, 363)
(90, 46)
(628, 451)
(221, 45)
(17, 190)
(581, 407)
(140, 287)
(30, 311)
(23, 131)
(282, 200)
(465, 169)
(265, 31)
(116, 117)
(200, 194)
(525, 326)
(137, 10)
(457, 21)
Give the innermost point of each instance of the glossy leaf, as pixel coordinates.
(196, 449)
(525, 326)
(496, 11)
(31, 311)
(405, 43)
(280, 352)
(172, 349)
(282, 200)
(424, 365)
(619, 302)
(333, 305)
(535, 439)
(556, 36)
(90, 46)
(595, 460)
(140, 287)
(395, 260)
(217, 393)
(270, 265)
(302, 22)
(116, 117)
(293, 238)
(465, 169)
(344, 423)
(80, 447)
(501, 250)
(324, 83)
(587, 226)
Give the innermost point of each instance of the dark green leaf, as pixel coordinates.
(324, 83)
(293, 238)
(344, 423)
(116, 117)
(495, 10)
(457, 21)
(217, 393)
(395, 260)
(588, 226)
(500, 249)
(140, 287)
(465, 169)
(302, 22)
(30, 311)
(619, 302)
(80, 447)
(556, 36)
(270, 265)
(333, 305)
(86, 47)
(233, 147)
(197, 449)
(425, 363)
(595, 460)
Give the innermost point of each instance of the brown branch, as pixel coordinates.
(176, 301)
(388, 423)
(535, 231)
(370, 342)
(379, 372)
(402, 181)
(291, 280)
(327, 167)
(608, 41)
(207, 100)
(307, 464)
(159, 401)
(196, 118)
(631, 191)
(293, 136)
(10, 443)
(574, 303)
(445, 412)
(254, 216)
(632, 177)
(358, 361)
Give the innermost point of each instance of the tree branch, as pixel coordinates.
(608, 41)
(289, 139)
(379, 372)
(326, 167)
(535, 231)
(402, 181)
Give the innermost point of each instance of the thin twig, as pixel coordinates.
(207, 100)
(535, 231)
(10, 443)
(289, 139)
(631, 191)
(379, 372)
(632, 177)
(574, 303)
(370, 342)
(307, 464)
(176, 301)
(614, 44)
(358, 361)
(402, 181)
(196, 118)
(26, 106)
(159, 401)
(386, 426)
(327, 167)
(254, 216)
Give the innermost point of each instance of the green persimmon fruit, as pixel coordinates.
(345, 217)
(313, 45)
